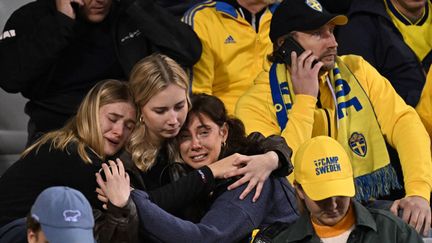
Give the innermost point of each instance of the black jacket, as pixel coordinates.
(54, 60)
(371, 34)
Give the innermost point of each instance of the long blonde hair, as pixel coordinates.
(84, 128)
(149, 77)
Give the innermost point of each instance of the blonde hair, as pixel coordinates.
(149, 77)
(84, 128)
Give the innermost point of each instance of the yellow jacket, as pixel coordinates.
(233, 52)
(399, 122)
(424, 107)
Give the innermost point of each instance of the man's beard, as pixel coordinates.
(328, 66)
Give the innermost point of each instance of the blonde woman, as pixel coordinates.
(161, 88)
(71, 155)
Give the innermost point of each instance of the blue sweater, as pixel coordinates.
(229, 219)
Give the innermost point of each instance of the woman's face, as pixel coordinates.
(200, 142)
(117, 120)
(165, 113)
(328, 211)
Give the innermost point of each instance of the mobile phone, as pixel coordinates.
(283, 54)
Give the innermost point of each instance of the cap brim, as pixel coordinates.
(338, 20)
(322, 190)
(68, 235)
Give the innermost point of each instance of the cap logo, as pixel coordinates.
(315, 5)
(327, 165)
(71, 215)
(357, 143)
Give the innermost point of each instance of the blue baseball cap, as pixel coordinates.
(65, 215)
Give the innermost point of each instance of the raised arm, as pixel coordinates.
(33, 39)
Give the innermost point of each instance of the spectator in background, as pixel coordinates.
(60, 215)
(54, 51)
(394, 36)
(343, 97)
(325, 188)
(234, 36)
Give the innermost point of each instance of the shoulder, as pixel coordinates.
(201, 11)
(385, 219)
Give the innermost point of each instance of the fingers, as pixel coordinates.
(427, 223)
(258, 190)
(100, 182)
(294, 66)
(113, 167)
(241, 160)
(395, 207)
(102, 198)
(301, 59)
(235, 172)
(238, 183)
(250, 186)
(120, 166)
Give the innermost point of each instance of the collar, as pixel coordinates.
(404, 19)
(363, 220)
(230, 7)
(364, 217)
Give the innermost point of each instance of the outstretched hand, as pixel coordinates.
(416, 212)
(116, 188)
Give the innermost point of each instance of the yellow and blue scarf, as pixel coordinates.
(358, 129)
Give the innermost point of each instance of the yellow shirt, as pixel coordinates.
(418, 35)
(399, 123)
(424, 107)
(233, 52)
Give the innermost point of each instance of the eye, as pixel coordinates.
(130, 126)
(112, 119)
(203, 132)
(159, 111)
(316, 33)
(179, 106)
(184, 136)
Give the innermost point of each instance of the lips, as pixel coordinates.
(114, 142)
(198, 158)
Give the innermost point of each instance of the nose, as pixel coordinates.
(196, 143)
(118, 129)
(172, 118)
(331, 203)
(331, 40)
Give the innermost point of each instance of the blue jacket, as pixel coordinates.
(371, 34)
(229, 218)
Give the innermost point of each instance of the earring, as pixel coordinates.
(141, 119)
(223, 144)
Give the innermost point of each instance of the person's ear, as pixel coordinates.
(224, 132)
(31, 236)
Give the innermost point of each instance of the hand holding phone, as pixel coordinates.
(283, 54)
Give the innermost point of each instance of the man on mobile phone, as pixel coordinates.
(343, 97)
(54, 51)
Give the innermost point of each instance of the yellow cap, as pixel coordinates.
(323, 169)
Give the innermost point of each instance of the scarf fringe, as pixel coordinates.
(377, 183)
